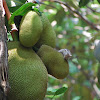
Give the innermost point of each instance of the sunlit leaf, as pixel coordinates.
(61, 90)
(54, 93)
(21, 11)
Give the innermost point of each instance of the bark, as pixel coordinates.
(4, 84)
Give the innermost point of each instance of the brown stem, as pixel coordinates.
(6, 9)
(13, 26)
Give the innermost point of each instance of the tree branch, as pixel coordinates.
(93, 26)
(92, 9)
(4, 84)
(47, 5)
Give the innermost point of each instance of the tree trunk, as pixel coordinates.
(4, 84)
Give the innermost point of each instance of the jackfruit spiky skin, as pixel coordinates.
(30, 29)
(54, 62)
(27, 73)
(48, 36)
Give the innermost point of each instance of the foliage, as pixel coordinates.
(74, 34)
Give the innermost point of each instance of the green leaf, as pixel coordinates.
(51, 91)
(98, 1)
(21, 11)
(54, 93)
(83, 3)
(12, 3)
(61, 90)
(13, 9)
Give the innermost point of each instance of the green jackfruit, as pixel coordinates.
(30, 29)
(27, 73)
(54, 61)
(48, 36)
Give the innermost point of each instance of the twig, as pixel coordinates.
(4, 84)
(93, 26)
(47, 5)
(92, 9)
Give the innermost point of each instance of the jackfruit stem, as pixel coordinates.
(66, 53)
(15, 34)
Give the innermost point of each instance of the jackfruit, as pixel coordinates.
(30, 29)
(54, 61)
(48, 36)
(27, 74)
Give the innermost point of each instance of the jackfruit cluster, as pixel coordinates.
(46, 36)
(36, 30)
(28, 70)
